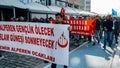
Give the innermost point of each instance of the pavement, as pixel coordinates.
(116, 58)
(88, 56)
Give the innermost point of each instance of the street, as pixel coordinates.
(88, 56)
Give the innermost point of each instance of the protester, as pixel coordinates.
(115, 29)
(90, 37)
(21, 19)
(12, 19)
(42, 20)
(108, 24)
(35, 19)
(51, 19)
(102, 19)
(47, 20)
(1, 56)
(59, 20)
(97, 32)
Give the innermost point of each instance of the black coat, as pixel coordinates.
(98, 23)
(108, 24)
(116, 28)
(116, 25)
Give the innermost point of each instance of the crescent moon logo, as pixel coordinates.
(62, 41)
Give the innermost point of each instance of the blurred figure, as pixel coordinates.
(35, 19)
(102, 19)
(115, 29)
(42, 20)
(47, 20)
(66, 18)
(12, 19)
(59, 20)
(97, 32)
(51, 19)
(107, 26)
(1, 56)
(21, 19)
(90, 37)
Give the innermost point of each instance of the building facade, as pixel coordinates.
(79, 4)
(87, 4)
(43, 2)
(66, 3)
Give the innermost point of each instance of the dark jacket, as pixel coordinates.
(98, 23)
(116, 28)
(116, 25)
(108, 24)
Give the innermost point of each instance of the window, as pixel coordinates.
(70, 5)
(76, 6)
(48, 2)
(87, 2)
(26, 1)
(37, 1)
(88, 7)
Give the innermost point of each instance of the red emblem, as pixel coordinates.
(62, 41)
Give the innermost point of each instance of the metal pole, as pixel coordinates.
(14, 13)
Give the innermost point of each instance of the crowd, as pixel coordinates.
(34, 19)
(106, 28)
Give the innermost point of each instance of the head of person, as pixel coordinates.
(59, 17)
(97, 17)
(12, 19)
(21, 18)
(108, 17)
(114, 18)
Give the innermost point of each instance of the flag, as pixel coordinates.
(62, 11)
(114, 12)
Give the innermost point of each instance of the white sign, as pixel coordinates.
(46, 41)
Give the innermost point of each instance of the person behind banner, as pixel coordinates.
(1, 56)
(59, 20)
(90, 36)
(21, 19)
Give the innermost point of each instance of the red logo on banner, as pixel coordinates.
(62, 41)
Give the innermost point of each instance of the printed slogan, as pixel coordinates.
(46, 41)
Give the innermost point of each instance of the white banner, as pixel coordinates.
(46, 41)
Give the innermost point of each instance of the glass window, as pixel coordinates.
(36, 0)
(43, 2)
(26, 1)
